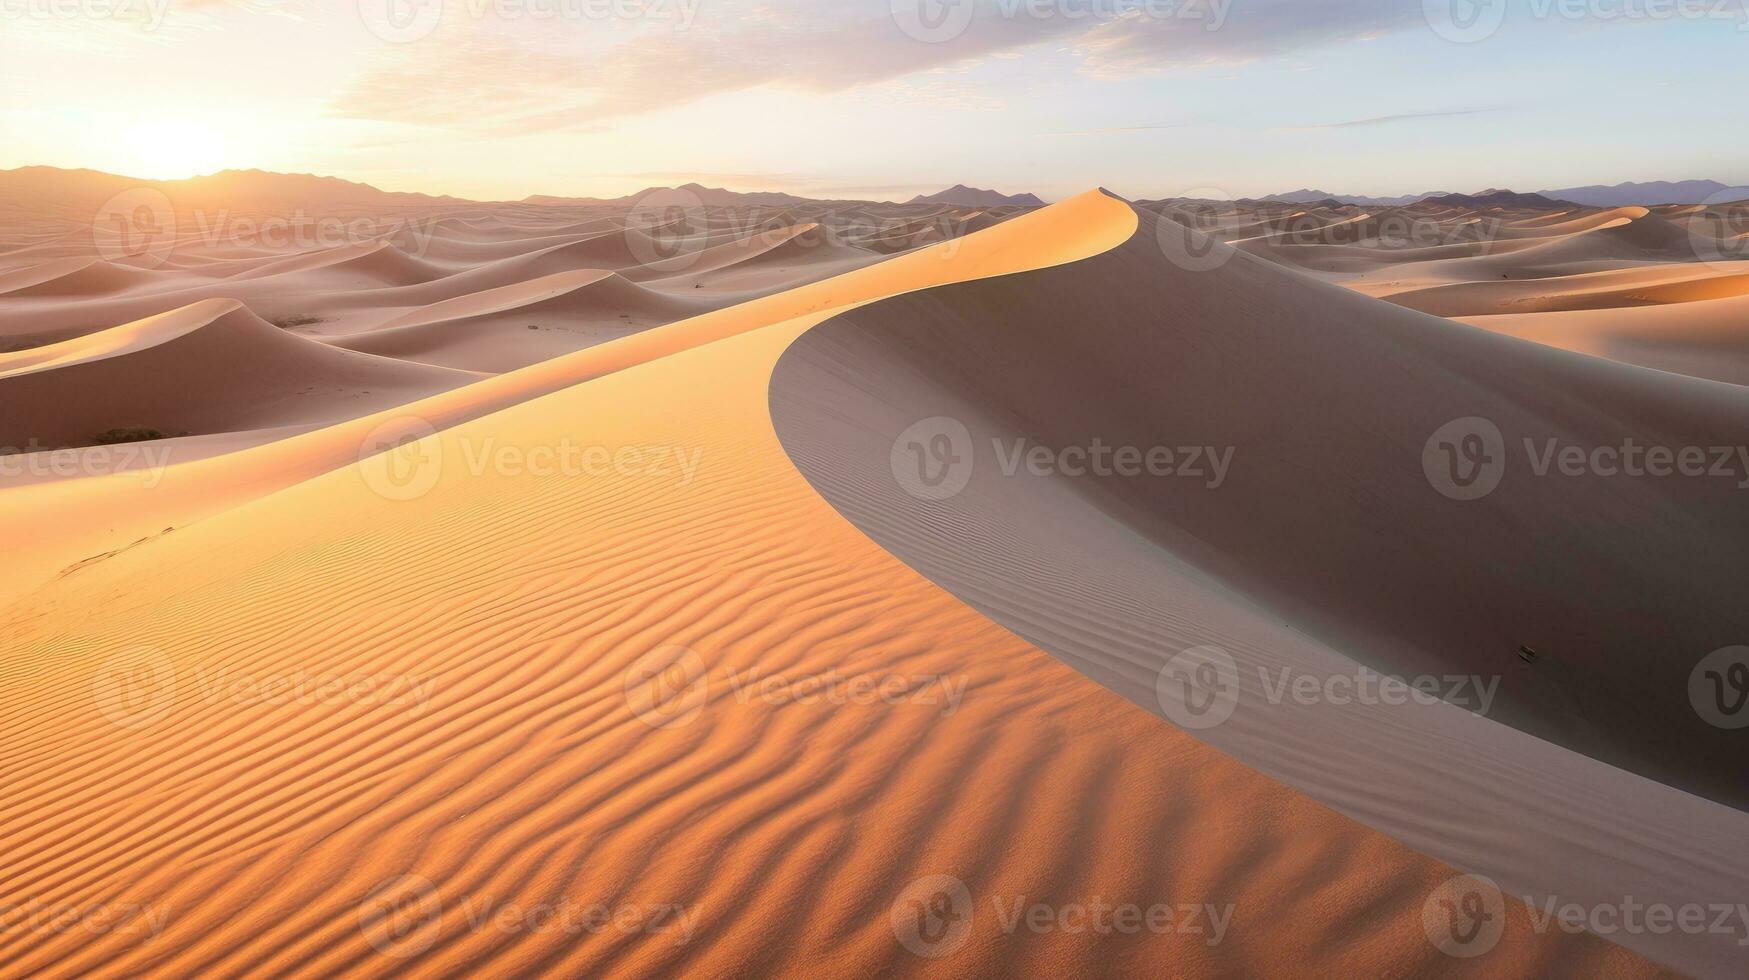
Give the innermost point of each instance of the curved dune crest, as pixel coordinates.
(1326, 511)
(1315, 541)
(523, 764)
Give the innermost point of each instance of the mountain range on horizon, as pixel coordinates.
(85, 188)
(1625, 194)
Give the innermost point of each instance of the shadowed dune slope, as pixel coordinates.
(209, 367)
(1328, 518)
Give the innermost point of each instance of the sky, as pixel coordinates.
(499, 99)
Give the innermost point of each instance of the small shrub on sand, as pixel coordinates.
(296, 320)
(128, 433)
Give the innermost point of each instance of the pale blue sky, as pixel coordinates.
(834, 97)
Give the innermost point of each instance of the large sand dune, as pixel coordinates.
(498, 650)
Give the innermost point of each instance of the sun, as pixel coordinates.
(169, 149)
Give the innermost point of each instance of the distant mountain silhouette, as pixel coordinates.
(972, 197)
(1495, 197)
(1648, 193)
(684, 194)
(242, 189)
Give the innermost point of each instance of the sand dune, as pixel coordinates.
(1117, 576)
(514, 768)
(497, 604)
(210, 367)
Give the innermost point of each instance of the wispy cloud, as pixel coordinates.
(1387, 120)
(487, 77)
(1114, 130)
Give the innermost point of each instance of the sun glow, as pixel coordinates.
(169, 149)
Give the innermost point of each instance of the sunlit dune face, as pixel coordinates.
(167, 149)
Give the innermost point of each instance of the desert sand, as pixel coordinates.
(356, 671)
